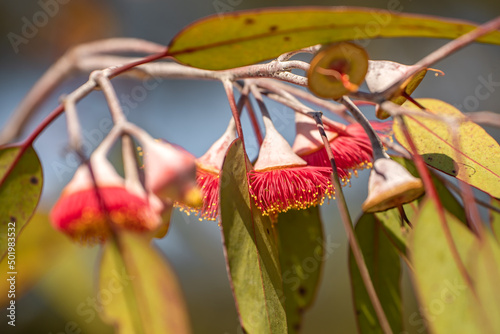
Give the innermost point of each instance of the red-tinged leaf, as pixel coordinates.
(251, 250)
(20, 189)
(142, 292)
(383, 263)
(474, 162)
(302, 251)
(246, 37)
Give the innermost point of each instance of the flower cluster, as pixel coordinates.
(286, 177)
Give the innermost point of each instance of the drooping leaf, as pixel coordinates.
(247, 37)
(251, 250)
(449, 304)
(141, 291)
(383, 263)
(474, 162)
(20, 189)
(301, 251)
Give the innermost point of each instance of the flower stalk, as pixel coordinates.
(347, 223)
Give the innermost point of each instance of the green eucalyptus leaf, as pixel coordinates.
(246, 37)
(302, 252)
(251, 250)
(449, 302)
(20, 189)
(383, 263)
(139, 291)
(473, 159)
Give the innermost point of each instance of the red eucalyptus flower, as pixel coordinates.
(170, 171)
(282, 180)
(208, 168)
(350, 145)
(87, 212)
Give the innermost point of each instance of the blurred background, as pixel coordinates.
(56, 277)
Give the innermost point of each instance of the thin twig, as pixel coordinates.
(228, 87)
(128, 153)
(337, 109)
(312, 49)
(74, 131)
(251, 113)
(456, 190)
(431, 191)
(466, 193)
(353, 242)
(484, 117)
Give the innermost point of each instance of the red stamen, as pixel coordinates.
(281, 189)
(351, 149)
(208, 182)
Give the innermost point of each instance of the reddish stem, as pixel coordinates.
(59, 110)
(353, 242)
(228, 86)
(431, 191)
(253, 120)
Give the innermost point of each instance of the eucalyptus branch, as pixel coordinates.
(172, 70)
(443, 52)
(312, 49)
(62, 69)
(347, 222)
(337, 109)
(297, 106)
(69, 63)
